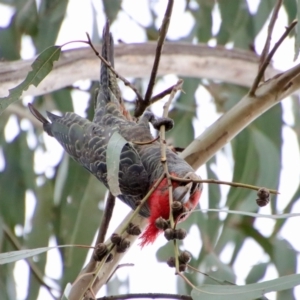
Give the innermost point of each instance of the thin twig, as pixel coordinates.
(210, 277)
(161, 95)
(145, 143)
(117, 268)
(268, 59)
(147, 295)
(126, 82)
(107, 214)
(269, 37)
(214, 181)
(142, 105)
(162, 129)
(187, 281)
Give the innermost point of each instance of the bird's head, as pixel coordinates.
(187, 193)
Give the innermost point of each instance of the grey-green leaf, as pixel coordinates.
(114, 149)
(12, 256)
(246, 292)
(41, 67)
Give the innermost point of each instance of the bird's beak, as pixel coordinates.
(182, 193)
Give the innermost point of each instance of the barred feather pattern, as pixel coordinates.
(140, 165)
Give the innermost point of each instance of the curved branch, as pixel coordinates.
(240, 116)
(135, 60)
(212, 140)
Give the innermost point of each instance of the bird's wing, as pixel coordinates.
(87, 142)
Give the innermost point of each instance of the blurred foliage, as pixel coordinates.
(68, 201)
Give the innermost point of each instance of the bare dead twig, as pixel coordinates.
(142, 105)
(263, 67)
(214, 181)
(162, 94)
(147, 295)
(145, 143)
(126, 82)
(269, 37)
(118, 267)
(107, 214)
(212, 278)
(166, 107)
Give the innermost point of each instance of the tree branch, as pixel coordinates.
(142, 105)
(212, 140)
(240, 116)
(233, 66)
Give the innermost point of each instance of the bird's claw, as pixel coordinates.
(167, 122)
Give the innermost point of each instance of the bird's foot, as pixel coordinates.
(167, 122)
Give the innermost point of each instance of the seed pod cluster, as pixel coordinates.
(183, 259)
(100, 251)
(171, 262)
(115, 238)
(263, 197)
(175, 234)
(178, 209)
(133, 229)
(122, 244)
(161, 223)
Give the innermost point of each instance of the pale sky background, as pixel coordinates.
(127, 30)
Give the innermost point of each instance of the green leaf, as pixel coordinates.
(218, 272)
(63, 99)
(250, 214)
(77, 195)
(239, 26)
(41, 67)
(12, 200)
(12, 256)
(214, 194)
(246, 168)
(288, 208)
(83, 219)
(246, 292)
(27, 17)
(183, 113)
(282, 248)
(247, 228)
(297, 38)
(263, 12)
(113, 153)
(291, 9)
(10, 39)
(51, 15)
(111, 8)
(257, 272)
(40, 233)
(203, 15)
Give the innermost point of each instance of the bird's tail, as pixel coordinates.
(109, 90)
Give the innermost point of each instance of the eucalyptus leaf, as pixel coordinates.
(113, 152)
(13, 256)
(41, 67)
(246, 292)
(257, 272)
